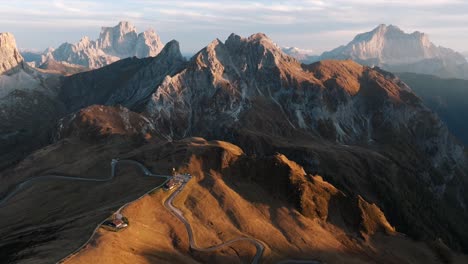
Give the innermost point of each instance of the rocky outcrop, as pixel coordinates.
(114, 43)
(98, 122)
(148, 44)
(62, 68)
(392, 49)
(10, 58)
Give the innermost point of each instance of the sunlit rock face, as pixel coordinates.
(392, 49)
(9, 54)
(114, 43)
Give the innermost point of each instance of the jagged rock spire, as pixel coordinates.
(10, 57)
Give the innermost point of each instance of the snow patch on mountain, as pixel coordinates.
(302, 55)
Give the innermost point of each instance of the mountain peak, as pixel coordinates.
(233, 38)
(126, 27)
(148, 44)
(172, 49)
(114, 43)
(385, 27)
(388, 44)
(214, 43)
(6, 35)
(259, 36)
(235, 41)
(392, 49)
(380, 33)
(9, 54)
(84, 42)
(117, 32)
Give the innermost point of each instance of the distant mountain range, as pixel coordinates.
(113, 44)
(392, 49)
(387, 47)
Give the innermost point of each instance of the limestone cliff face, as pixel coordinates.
(9, 54)
(148, 44)
(390, 45)
(114, 43)
(393, 49)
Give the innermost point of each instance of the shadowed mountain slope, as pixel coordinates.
(446, 97)
(386, 162)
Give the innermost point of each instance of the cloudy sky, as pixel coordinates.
(309, 24)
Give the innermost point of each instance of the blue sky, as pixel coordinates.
(309, 24)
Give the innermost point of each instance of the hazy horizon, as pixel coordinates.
(313, 25)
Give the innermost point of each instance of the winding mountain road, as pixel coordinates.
(18, 188)
(113, 164)
(168, 204)
(21, 186)
(258, 244)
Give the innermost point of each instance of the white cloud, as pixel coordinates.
(61, 5)
(399, 2)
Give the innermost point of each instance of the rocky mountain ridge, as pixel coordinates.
(128, 82)
(392, 49)
(28, 108)
(240, 70)
(114, 43)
